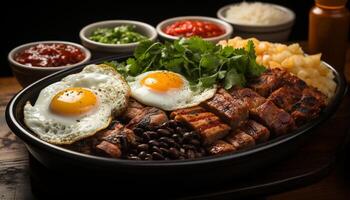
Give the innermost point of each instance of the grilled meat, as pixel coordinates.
(247, 135)
(251, 98)
(290, 80)
(276, 119)
(115, 142)
(208, 125)
(149, 117)
(273, 79)
(220, 147)
(285, 97)
(267, 82)
(88, 145)
(309, 106)
(134, 109)
(110, 149)
(259, 132)
(231, 110)
(240, 139)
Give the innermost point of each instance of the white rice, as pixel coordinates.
(256, 13)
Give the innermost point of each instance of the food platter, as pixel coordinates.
(194, 108)
(195, 171)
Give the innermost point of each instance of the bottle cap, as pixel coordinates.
(331, 3)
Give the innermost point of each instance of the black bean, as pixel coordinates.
(190, 154)
(138, 139)
(143, 154)
(174, 153)
(156, 149)
(195, 142)
(138, 131)
(146, 136)
(165, 151)
(188, 146)
(134, 158)
(187, 136)
(157, 156)
(149, 157)
(182, 150)
(170, 129)
(164, 132)
(153, 134)
(142, 147)
(169, 141)
(163, 144)
(181, 158)
(179, 129)
(172, 123)
(153, 143)
(175, 136)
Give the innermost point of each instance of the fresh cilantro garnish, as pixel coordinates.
(201, 62)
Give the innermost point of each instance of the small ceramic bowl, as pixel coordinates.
(224, 25)
(26, 75)
(273, 33)
(140, 27)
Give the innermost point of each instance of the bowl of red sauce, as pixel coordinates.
(33, 61)
(208, 28)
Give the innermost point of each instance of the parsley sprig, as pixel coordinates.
(203, 63)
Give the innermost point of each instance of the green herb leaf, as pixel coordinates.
(233, 78)
(203, 63)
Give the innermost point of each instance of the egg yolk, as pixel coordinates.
(73, 102)
(162, 81)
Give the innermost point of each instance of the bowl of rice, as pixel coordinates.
(264, 21)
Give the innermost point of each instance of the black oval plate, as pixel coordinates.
(197, 171)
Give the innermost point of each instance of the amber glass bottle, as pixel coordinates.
(328, 31)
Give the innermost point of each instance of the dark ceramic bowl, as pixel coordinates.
(26, 75)
(197, 172)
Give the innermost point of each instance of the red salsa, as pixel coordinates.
(50, 55)
(188, 28)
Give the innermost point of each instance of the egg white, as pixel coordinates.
(112, 94)
(170, 100)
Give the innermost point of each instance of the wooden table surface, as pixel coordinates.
(14, 173)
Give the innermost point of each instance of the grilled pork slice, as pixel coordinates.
(285, 97)
(220, 147)
(88, 145)
(231, 110)
(240, 140)
(309, 106)
(290, 80)
(134, 109)
(208, 125)
(110, 149)
(114, 142)
(259, 132)
(267, 82)
(149, 117)
(276, 119)
(272, 79)
(247, 95)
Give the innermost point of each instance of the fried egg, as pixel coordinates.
(78, 106)
(166, 90)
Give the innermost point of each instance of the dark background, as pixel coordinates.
(62, 20)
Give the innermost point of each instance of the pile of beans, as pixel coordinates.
(169, 141)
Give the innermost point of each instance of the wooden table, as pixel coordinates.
(318, 153)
